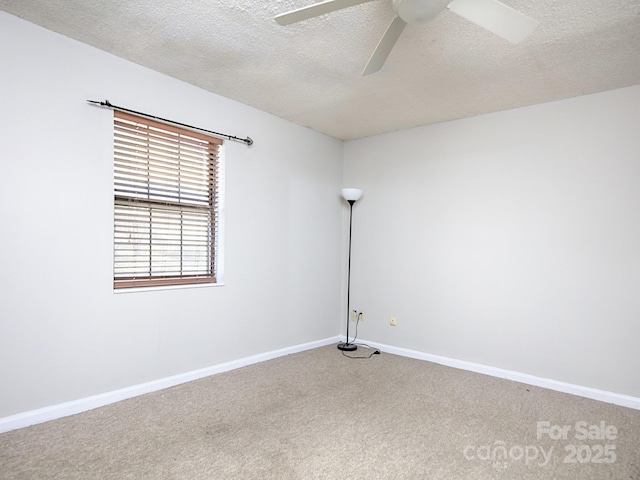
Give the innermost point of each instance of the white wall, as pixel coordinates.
(510, 240)
(64, 334)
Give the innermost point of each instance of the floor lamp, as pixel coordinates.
(351, 195)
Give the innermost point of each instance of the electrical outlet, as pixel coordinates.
(361, 316)
(393, 321)
(354, 315)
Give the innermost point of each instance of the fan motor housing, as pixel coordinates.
(419, 11)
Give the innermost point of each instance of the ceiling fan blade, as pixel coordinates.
(496, 17)
(316, 10)
(385, 46)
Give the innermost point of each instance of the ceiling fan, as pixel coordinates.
(492, 15)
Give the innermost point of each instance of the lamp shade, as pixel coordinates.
(351, 194)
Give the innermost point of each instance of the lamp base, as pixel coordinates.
(347, 347)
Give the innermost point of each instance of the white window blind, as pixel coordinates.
(165, 203)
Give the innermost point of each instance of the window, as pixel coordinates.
(166, 188)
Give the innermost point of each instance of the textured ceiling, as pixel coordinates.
(309, 72)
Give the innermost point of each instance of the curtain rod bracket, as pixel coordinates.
(248, 141)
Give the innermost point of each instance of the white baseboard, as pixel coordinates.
(54, 412)
(587, 392)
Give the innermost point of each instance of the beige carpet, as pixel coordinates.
(319, 415)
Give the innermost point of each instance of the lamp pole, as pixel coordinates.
(351, 195)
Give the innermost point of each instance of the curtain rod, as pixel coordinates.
(106, 103)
